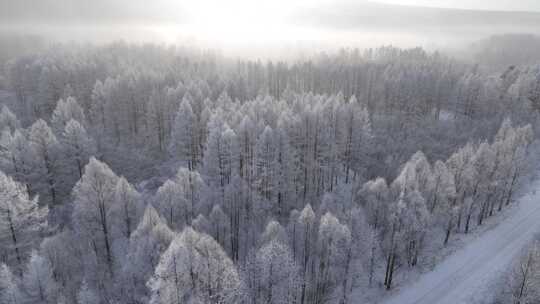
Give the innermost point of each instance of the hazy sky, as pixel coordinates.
(259, 23)
(515, 5)
(181, 11)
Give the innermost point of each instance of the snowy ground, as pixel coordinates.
(466, 275)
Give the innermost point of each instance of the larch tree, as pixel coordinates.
(441, 203)
(220, 222)
(460, 165)
(87, 295)
(171, 203)
(424, 174)
(307, 236)
(246, 142)
(77, 145)
(195, 269)
(17, 156)
(334, 258)
(286, 174)
(484, 166)
(45, 147)
(524, 277)
(201, 224)
(265, 164)
(391, 241)
(63, 253)
(221, 156)
(374, 195)
(125, 214)
(157, 118)
(184, 141)
(97, 109)
(414, 221)
(8, 120)
(94, 198)
(9, 289)
(38, 281)
(356, 134)
(364, 248)
(274, 232)
(276, 274)
(66, 111)
(21, 219)
(194, 192)
(151, 238)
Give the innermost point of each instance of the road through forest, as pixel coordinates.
(468, 272)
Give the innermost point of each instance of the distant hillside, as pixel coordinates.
(507, 50)
(388, 16)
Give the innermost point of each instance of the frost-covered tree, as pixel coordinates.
(9, 289)
(274, 275)
(375, 197)
(63, 252)
(364, 247)
(17, 157)
(124, 213)
(286, 174)
(523, 279)
(66, 111)
(391, 241)
(201, 224)
(97, 109)
(220, 162)
(170, 201)
(356, 135)
(46, 150)
(94, 198)
(21, 219)
(195, 269)
(184, 143)
(442, 198)
(265, 164)
(334, 258)
(157, 118)
(8, 120)
(194, 191)
(38, 281)
(460, 164)
(220, 226)
(77, 145)
(151, 238)
(87, 295)
(414, 221)
(307, 237)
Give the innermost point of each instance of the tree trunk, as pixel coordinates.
(391, 274)
(105, 229)
(448, 231)
(14, 239)
(467, 223)
(372, 263)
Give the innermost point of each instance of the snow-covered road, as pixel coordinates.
(467, 273)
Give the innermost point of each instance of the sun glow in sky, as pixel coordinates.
(243, 21)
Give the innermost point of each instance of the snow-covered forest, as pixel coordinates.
(165, 175)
